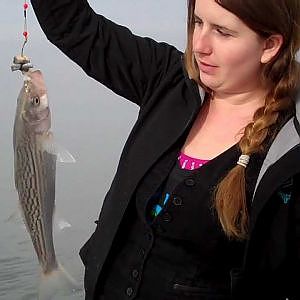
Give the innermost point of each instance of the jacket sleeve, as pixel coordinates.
(125, 63)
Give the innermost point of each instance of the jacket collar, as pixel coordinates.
(297, 100)
(286, 139)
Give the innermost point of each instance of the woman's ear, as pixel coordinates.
(272, 46)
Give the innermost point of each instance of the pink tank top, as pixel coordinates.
(190, 163)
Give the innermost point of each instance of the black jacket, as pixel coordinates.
(182, 252)
(153, 76)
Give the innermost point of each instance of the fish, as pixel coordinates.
(35, 157)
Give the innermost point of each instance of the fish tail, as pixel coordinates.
(57, 282)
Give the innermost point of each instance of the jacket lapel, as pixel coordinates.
(274, 176)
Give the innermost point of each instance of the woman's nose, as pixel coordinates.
(202, 42)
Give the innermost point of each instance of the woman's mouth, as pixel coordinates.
(206, 68)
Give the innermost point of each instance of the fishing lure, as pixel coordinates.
(22, 62)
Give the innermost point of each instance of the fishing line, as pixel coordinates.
(25, 32)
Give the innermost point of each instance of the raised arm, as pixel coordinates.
(110, 53)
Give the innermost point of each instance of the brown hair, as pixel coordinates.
(280, 76)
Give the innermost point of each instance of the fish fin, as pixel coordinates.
(60, 223)
(56, 283)
(15, 217)
(49, 145)
(64, 155)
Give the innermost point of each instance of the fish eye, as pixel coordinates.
(35, 100)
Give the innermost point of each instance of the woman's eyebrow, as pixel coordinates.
(196, 18)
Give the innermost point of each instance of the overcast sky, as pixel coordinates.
(163, 20)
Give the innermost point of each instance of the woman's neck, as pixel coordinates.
(239, 100)
(240, 104)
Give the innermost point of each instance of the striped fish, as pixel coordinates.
(35, 159)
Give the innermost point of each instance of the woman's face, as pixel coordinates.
(222, 40)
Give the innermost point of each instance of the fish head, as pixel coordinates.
(34, 104)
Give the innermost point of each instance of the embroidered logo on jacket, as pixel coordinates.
(285, 191)
(285, 197)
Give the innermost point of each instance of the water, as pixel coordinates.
(88, 120)
(19, 272)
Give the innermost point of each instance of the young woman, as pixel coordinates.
(204, 204)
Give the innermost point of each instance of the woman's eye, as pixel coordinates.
(35, 100)
(222, 33)
(197, 21)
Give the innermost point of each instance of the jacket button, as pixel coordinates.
(129, 291)
(143, 252)
(159, 229)
(189, 182)
(148, 235)
(167, 217)
(135, 273)
(177, 201)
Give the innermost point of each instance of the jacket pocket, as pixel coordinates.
(184, 291)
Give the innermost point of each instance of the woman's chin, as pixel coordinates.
(211, 83)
